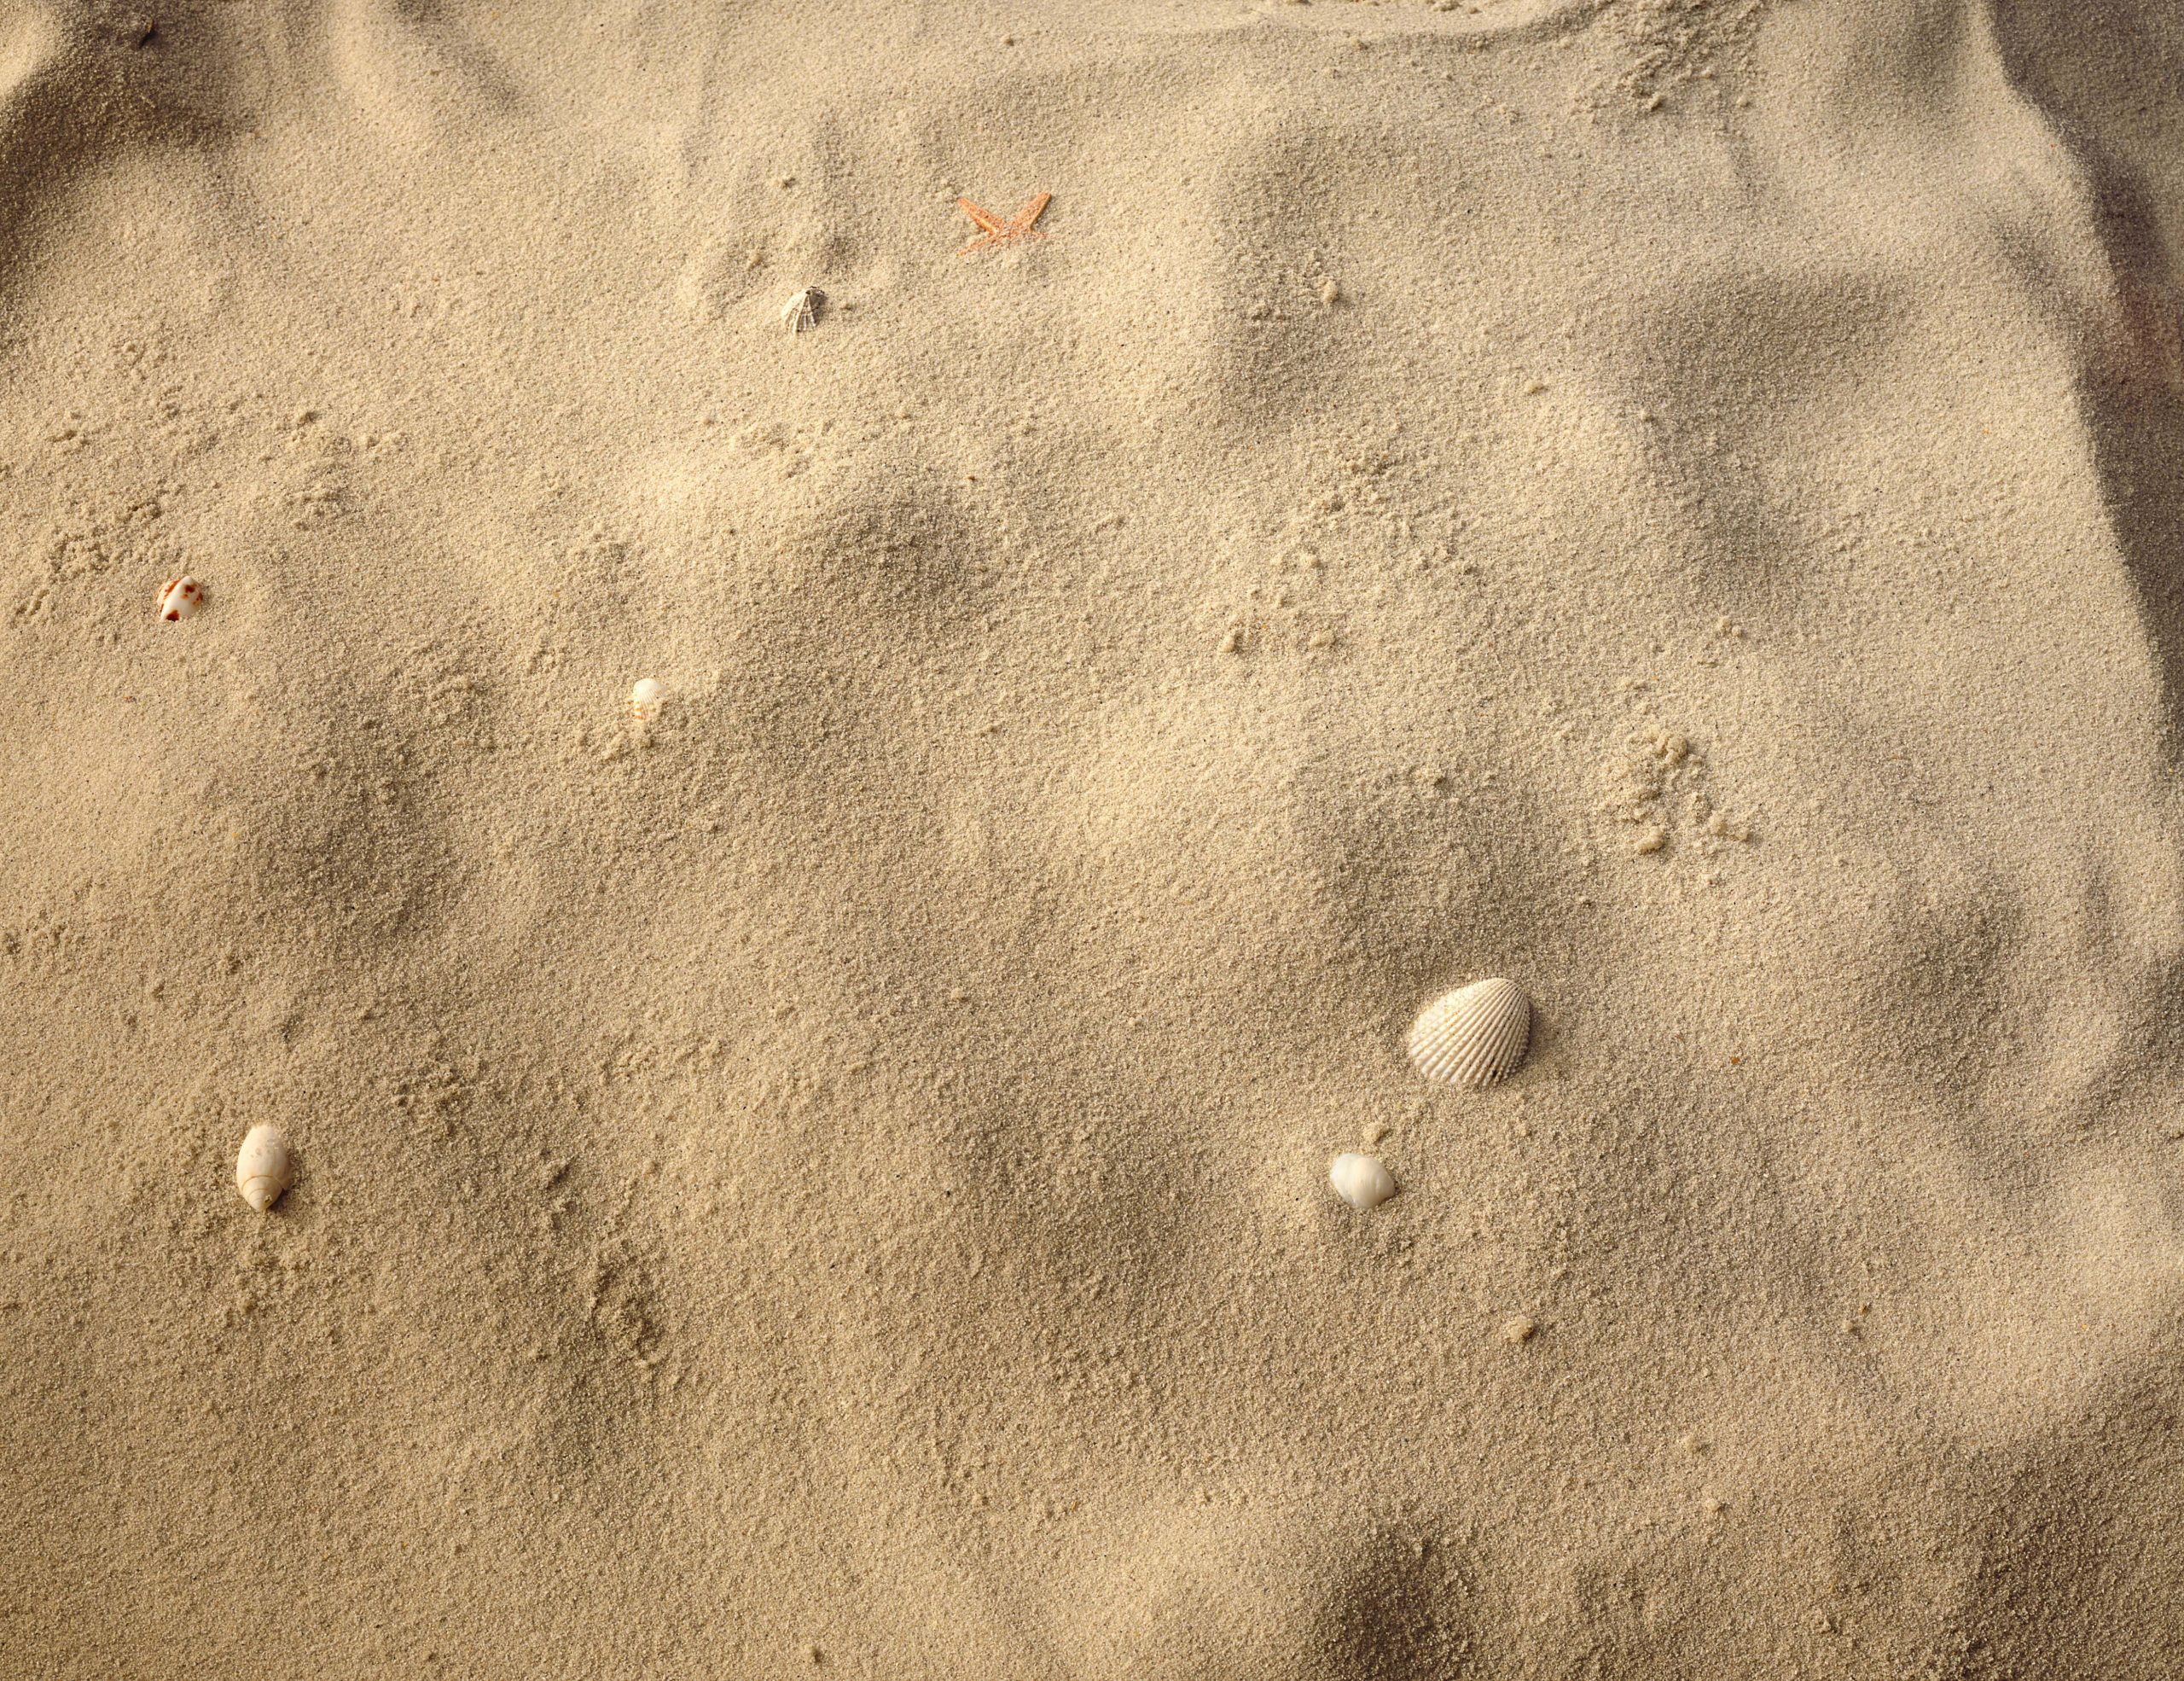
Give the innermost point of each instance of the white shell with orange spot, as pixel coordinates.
(179, 597)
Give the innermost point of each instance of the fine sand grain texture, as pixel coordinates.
(1675, 504)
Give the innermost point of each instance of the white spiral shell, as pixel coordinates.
(265, 1165)
(1474, 1035)
(1361, 1180)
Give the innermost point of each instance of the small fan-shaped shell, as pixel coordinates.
(264, 1167)
(179, 597)
(647, 694)
(801, 312)
(1361, 1180)
(1474, 1035)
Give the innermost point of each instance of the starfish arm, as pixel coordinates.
(985, 219)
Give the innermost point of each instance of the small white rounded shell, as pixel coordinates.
(264, 1167)
(646, 695)
(180, 597)
(1474, 1036)
(1361, 1180)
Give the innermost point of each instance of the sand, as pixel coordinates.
(1675, 504)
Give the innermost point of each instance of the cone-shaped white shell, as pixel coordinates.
(1474, 1035)
(1361, 1181)
(180, 597)
(264, 1166)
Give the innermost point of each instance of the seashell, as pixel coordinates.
(1474, 1035)
(801, 312)
(264, 1166)
(1361, 1180)
(179, 597)
(646, 695)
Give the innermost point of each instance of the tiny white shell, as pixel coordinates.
(646, 695)
(180, 597)
(1361, 1180)
(801, 312)
(1474, 1036)
(264, 1166)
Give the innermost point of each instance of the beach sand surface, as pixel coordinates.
(1672, 503)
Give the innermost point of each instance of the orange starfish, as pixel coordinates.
(993, 231)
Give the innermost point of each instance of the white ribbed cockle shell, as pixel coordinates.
(1474, 1035)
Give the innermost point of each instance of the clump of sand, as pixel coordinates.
(1673, 504)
